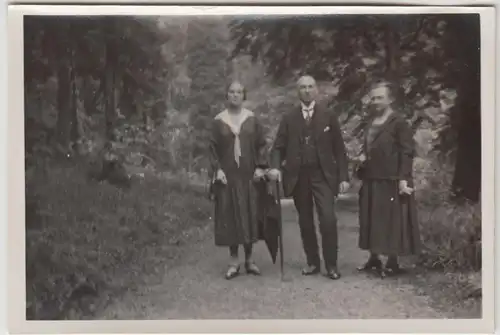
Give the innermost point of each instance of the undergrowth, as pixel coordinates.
(86, 241)
(451, 231)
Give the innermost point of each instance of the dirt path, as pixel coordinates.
(197, 290)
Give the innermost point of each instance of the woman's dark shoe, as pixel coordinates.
(232, 272)
(310, 270)
(392, 270)
(252, 269)
(373, 264)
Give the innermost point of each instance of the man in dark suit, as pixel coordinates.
(309, 156)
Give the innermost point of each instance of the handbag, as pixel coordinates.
(359, 170)
(213, 184)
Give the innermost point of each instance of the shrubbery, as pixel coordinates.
(86, 239)
(451, 232)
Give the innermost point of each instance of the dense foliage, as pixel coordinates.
(433, 59)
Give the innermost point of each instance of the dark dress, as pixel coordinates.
(388, 220)
(236, 213)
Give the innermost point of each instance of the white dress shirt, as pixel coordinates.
(307, 111)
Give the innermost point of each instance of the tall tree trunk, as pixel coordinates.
(393, 61)
(109, 79)
(91, 96)
(467, 176)
(127, 104)
(118, 87)
(63, 95)
(392, 40)
(74, 131)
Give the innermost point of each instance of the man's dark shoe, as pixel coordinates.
(333, 273)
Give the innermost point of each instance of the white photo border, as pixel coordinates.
(16, 236)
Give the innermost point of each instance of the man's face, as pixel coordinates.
(307, 89)
(380, 98)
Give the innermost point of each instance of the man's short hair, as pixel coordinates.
(305, 76)
(389, 84)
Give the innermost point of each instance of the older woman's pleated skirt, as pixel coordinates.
(388, 221)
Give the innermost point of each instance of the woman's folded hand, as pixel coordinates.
(404, 188)
(221, 176)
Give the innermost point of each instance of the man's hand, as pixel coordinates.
(221, 176)
(343, 187)
(274, 174)
(258, 174)
(403, 187)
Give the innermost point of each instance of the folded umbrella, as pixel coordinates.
(269, 211)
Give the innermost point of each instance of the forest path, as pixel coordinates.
(196, 289)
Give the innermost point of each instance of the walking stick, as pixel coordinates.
(280, 238)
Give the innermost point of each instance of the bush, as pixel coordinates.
(86, 240)
(451, 232)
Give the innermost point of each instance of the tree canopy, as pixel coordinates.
(141, 87)
(433, 59)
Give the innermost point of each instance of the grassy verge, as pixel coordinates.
(87, 242)
(450, 266)
(451, 231)
(456, 293)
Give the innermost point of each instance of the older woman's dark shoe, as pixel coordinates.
(392, 270)
(252, 269)
(233, 272)
(373, 264)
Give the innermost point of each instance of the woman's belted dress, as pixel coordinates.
(388, 220)
(238, 150)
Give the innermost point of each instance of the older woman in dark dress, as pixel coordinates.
(387, 217)
(237, 161)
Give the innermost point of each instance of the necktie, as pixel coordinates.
(307, 112)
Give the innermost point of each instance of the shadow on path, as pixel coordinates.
(196, 289)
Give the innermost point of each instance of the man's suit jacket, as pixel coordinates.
(286, 151)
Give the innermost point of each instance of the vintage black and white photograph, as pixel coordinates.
(209, 167)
